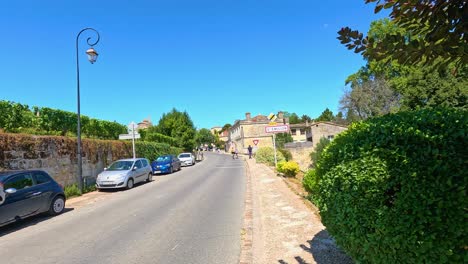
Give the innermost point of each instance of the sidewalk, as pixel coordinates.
(279, 227)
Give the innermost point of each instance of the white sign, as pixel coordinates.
(277, 129)
(129, 136)
(132, 126)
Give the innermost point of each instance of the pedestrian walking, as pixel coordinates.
(250, 151)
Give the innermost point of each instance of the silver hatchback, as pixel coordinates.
(124, 173)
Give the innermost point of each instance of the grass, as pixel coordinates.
(72, 190)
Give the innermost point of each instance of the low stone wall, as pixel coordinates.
(301, 153)
(57, 155)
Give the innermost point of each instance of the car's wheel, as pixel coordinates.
(130, 184)
(150, 177)
(57, 206)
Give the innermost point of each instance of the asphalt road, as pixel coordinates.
(191, 216)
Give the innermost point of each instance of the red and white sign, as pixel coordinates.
(255, 141)
(277, 129)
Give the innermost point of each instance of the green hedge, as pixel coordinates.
(393, 189)
(15, 118)
(267, 155)
(152, 150)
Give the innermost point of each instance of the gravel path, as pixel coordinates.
(279, 227)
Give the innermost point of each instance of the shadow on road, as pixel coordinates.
(30, 221)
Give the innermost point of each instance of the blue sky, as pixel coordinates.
(214, 59)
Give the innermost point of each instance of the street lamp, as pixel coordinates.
(92, 57)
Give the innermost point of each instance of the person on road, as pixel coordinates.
(250, 151)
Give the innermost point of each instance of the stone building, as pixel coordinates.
(223, 136)
(146, 123)
(301, 149)
(251, 130)
(301, 132)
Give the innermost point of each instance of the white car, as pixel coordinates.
(124, 174)
(187, 159)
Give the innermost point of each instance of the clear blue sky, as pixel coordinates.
(214, 59)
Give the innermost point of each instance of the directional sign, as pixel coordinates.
(277, 129)
(132, 126)
(255, 141)
(129, 136)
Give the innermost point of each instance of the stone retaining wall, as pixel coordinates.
(57, 155)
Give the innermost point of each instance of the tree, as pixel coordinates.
(178, 125)
(204, 136)
(417, 86)
(226, 127)
(294, 119)
(282, 138)
(370, 98)
(315, 155)
(306, 118)
(326, 115)
(434, 32)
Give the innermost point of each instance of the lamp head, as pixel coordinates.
(92, 55)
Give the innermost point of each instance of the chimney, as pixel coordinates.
(280, 115)
(247, 116)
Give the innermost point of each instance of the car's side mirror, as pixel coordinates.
(105, 168)
(10, 190)
(134, 168)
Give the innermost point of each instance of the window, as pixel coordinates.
(138, 164)
(302, 131)
(293, 131)
(330, 137)
(145, 162)
(41, 177)
(19, 182)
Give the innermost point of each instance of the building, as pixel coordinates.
(251, 131)
(326, 130)
(223, 135)
(301, 132)
(146, 123)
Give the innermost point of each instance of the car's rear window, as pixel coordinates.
(184, 156)
(120, 165)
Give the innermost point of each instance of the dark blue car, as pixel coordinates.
(166, 164)
(27, 193)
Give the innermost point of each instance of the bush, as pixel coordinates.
(315, 155)
(290, 168)
(71, 191)
(279, 166)
(286, 153)
(393, 189)
(310, 182)
(267, 155)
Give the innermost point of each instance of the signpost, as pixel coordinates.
(132, 134)
(276, 129)
(255, 141)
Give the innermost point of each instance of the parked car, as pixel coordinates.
(166, 164)
(124, 173)
(187, 159)
(27, 193)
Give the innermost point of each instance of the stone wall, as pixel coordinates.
(300, 152)
(57, 155)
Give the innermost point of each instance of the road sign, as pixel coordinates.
(272, 117)
(277, 129)
(131, 127)
(255, 141)
(272, 124)
(129, 136)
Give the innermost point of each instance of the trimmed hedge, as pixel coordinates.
(393, 189)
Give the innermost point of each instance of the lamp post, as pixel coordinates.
(92, 56)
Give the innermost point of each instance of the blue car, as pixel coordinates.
(27, 193)
(166, 164)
